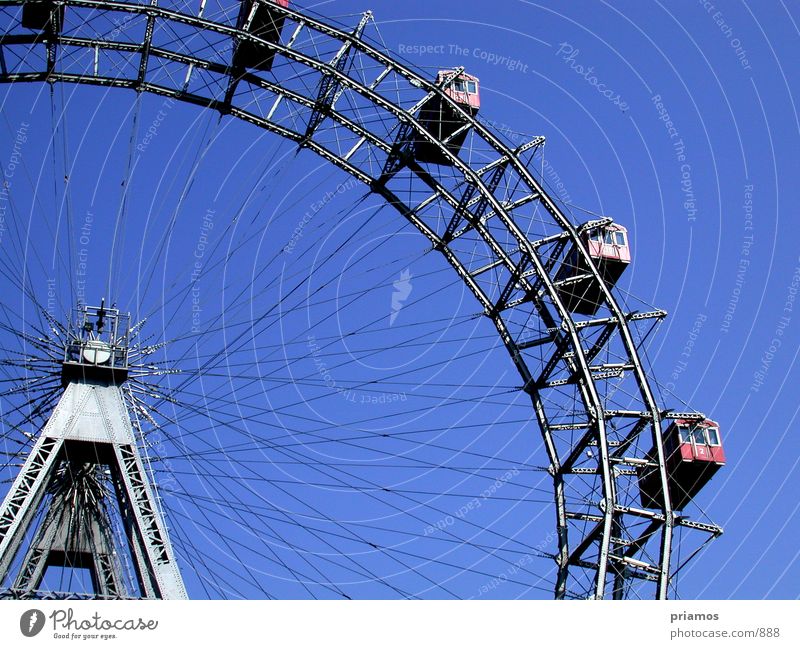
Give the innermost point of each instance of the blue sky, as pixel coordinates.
(677, 119)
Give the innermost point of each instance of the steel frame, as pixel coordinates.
(94, 413)
(601, 548)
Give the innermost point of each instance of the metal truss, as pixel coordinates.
(77, 535)
(485, 211)
(89, 429)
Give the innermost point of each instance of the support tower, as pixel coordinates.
(83, 500)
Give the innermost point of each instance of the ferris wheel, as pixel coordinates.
(258, 337)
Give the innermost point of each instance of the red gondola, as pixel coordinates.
(609, 248)
(439, 118)
(266, 24)
(694, 453)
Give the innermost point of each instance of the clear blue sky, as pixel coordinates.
(677, 118)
